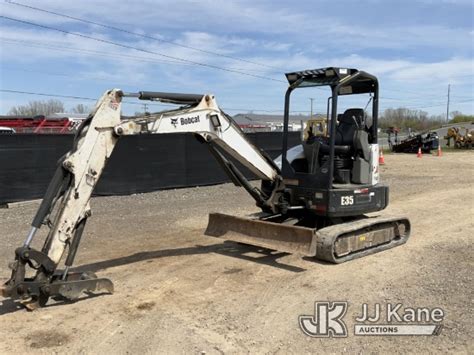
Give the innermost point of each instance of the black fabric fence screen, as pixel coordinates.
(140, 163)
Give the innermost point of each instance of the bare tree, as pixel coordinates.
(81, 108)
(34, 108)
(405, 119)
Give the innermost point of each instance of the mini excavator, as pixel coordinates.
(313, 198)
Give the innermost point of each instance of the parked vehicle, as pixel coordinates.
(461, 141)
(425, 141)
(6, 130)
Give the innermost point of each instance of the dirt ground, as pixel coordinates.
(177, 291)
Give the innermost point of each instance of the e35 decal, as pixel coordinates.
(347, 200)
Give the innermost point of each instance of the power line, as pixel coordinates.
(453, 102)
(162, 104)
(35, 71)
(144, 59)
(420, 95)
(139, 34)
(176, 59)
(167, 41)
(261, 110)
(87, 51)
(94, 52)
(129, 102)
(69, 97)
(437, 105)
(49, 95)
(406, 99)
(105, 53)
(460, 97)
(140, 49)
(68, 75)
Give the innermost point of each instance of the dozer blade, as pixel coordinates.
(268, 235)
(346, 241)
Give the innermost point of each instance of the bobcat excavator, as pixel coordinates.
(313, 198)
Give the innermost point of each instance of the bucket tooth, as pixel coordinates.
(270, 235)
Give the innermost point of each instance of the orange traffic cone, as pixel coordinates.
(381, 158)
(419, 154)
(440, 153)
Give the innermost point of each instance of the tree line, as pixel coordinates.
(417, 120)
(407, 119)
(46, 108)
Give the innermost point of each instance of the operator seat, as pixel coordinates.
(351, 144)
(350, 121)
(351, 132)
(344, 144)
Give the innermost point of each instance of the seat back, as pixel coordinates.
(350, 121)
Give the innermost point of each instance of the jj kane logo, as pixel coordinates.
(389, 319)
(326, 321)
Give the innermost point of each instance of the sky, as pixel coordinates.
(415, 47)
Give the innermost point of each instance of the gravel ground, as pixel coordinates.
(178, 291)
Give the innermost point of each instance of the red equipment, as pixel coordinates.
(37, 124)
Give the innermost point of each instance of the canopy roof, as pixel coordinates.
(358, 82)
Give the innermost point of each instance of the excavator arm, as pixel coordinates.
(65, 207)
(212, 126)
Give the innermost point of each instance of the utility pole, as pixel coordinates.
(311, 99)
(145, 108)
(447, 106)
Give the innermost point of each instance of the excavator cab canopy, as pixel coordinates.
(341, 125)
(360, 82)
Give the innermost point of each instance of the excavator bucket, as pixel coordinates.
(268, 235)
